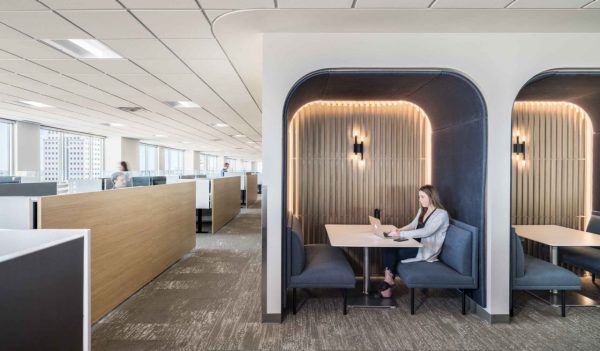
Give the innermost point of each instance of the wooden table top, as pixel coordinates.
(361, 235)
(554, 235)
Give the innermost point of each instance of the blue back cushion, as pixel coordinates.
(594, 225)
(457, 249)
(518, 254)
(297, 253)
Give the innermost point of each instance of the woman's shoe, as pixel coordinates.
(379, 294)
(385, 285)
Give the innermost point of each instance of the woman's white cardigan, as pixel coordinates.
(432, 235)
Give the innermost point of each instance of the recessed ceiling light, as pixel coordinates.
(34, 103)
(110, 124)
(160, 135)
(83, 48)
(186, 142)
(220, 125)
(239, 136)
(182, 104)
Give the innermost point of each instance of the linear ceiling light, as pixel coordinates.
(182, 104)
(83, 48)
(34, 104)
(239, 136)
(220, 125)
(160, 135)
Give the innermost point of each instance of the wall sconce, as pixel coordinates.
(358, 148)
(519, 148)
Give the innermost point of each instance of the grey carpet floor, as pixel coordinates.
(210, 300)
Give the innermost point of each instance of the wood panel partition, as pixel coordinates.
(251, 189)
(325, 183)
(552, 184)
(225, 198)
(136, 233)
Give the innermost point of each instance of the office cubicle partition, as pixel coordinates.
(251, 189)
(9, 179)
(136, 233)
(28, 189)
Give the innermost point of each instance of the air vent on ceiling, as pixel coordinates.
(130, 108)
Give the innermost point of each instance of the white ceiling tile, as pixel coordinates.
(151, 86)
(6, 56)
(9, 33)
(140, 48)
(470, 4)
(160, 4)
(22, 67)
(314, 4)
(164, 66)
(31, 49)
(196, 49)
(108, 83)
(82, 4)
(405, 4)
(213, 14)
(20, 5)
(42, 24)
(109, 24)
(593, 5)
(548, 4)
(176, 23)
(67, 66)
(118, 66)
(237, 4)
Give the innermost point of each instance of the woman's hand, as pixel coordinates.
(395, 233)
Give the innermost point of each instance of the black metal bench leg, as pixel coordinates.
(412, 300)
(345, 293)
(294, 300)
(563, 303)
(463, 301)
(512, 302)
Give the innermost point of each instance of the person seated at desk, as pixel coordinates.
(429, 227)
(225, 169)
(119, 180)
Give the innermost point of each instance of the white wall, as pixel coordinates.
(130, 153)
(117, 149)
(27, 147)
(499, 64)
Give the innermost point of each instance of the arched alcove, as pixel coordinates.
(458, 118)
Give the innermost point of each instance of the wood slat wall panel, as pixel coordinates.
(553, 186)
(327, 186)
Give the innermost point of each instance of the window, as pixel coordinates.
(247, 166)
(174, 161)
(148, 159)
(202, 163)
(6, 151)
(69, 155)
(233, 164)
(211, 164)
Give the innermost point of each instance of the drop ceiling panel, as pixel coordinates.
(176, 24)
(22, 67)
(174, 66)
(117, 66)
(594, 5)
(548, 4)
(42, 25)
(9, 33)
(406, 4)
(196, 49)
(237, 4)
(160, 4)
(6, 56)
(213, 14)
(109, 84)
(82, 4)
(67, 66)
(109, 24)
(31, 49)
(314, 4)
(140, 48)
(20, 5)
(470, 4)
(151, 86)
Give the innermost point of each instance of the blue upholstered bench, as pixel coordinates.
(318, 266)
(457, 267)
(530, 273)
(587, 258)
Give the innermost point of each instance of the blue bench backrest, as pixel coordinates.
(460, 249)
(298, 255)
(594, 225)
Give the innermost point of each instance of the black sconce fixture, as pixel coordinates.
(359, 148)
(519, 148)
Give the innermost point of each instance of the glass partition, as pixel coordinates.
(6, 149)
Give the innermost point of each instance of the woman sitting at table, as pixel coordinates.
(429, 227)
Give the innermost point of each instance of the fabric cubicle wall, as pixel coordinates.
(458, 118)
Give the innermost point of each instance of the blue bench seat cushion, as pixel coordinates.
(542, 275)
(325, 267)
(587, 258)
(433, 275)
